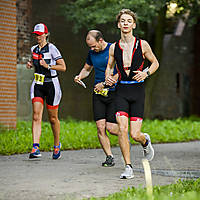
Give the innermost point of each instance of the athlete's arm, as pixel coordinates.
(29, 64)
(150, 56)
(110, 67)
(116, 76)
(83, 73)
(60, 65)
(147, 53)
(100, 86)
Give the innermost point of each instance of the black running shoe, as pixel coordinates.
(109, 162)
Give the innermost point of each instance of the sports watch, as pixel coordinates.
(148, 74)
(49, 67)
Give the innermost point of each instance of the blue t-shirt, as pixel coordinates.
(99, 61)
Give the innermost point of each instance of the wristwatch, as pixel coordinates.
(104, 83)
(148, 74)
(49, 67)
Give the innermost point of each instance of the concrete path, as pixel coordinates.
(78, 174)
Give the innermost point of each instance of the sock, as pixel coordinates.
(57, 146)
(36, 145)
(110, 155)
(146, 143)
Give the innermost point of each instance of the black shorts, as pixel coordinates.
(104, 107)
(49, 91)
(130, 99)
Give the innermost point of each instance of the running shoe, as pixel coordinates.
(35, 153)
(56, 152)
(109, 161)
(128, 173)
(148, 150)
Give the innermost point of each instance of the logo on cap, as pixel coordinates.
(40, 29)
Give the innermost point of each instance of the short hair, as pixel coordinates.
(126, 11)
(96, 34)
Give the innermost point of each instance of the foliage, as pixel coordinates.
(191, 7)
(182, 190)
(91, 13)
(82, 134)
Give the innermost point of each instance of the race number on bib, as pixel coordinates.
(39, 78)
(103, 92)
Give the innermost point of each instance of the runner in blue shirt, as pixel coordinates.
(103, 104)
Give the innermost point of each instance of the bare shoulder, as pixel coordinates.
(145, 44)
(112, 45)
(112, 48)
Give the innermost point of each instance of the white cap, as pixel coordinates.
(40, 29)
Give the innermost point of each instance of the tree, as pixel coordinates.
(151, 13)
(90, 13)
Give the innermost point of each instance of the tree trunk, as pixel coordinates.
(157, 49)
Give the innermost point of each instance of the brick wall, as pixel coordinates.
(24, 28)
(8, 57)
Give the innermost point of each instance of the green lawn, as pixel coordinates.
(82, 134)
(182, 190)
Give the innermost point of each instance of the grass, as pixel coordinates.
(181, 190)
(82, 134)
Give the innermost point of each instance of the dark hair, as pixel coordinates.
(126, 11)
(96, 34)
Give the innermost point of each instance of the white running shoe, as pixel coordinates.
(148, 150)
(128, 173)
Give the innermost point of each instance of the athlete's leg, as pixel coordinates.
(136, 114)
(143, 138)
(55, 124)
(111, 123)
(53, 98)
(112, 128)
(36, 122)
(38, 106)
(103, 137)
(135, 131)
(99, 111)
(122, 117)
(123, 138)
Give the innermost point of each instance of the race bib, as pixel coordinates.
(39, 78)
(103, 92)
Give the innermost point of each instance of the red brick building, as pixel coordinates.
(8, 63)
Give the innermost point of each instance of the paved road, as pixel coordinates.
(78, 174)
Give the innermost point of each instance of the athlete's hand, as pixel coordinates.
(29, 65)
(77, 79)
(98, 87)
(140, 76)
(43, 63)
(110, 80)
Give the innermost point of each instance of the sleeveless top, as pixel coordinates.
(137, 60)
